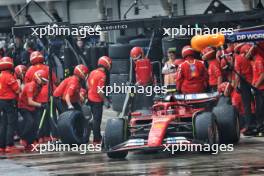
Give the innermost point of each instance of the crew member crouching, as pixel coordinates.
(37, 61)
(227, 90)
(27, 106)
(68, 92)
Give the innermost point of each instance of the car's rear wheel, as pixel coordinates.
(115, 134)
(206, 129)
(228, 121)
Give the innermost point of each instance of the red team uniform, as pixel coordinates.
(70, 87)
(9, 89)
(96, 79)
(191, 75)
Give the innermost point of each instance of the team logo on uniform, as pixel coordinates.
(193, 70)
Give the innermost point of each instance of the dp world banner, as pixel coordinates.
(248, 36)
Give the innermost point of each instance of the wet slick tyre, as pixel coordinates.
(115, 133)
(206, 129)
(73, 128)
(119, 51)
(228, 122)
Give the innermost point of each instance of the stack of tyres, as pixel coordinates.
(70, 61)
(125, 39)
(87, 58)
(117, 81)
(119, 74)
(59, 68)
(93, 57)
(103, 51)
(93, 53)
(120, 56)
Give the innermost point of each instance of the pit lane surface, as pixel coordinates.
(246, 159)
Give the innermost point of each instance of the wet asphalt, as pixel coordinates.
(246, 159)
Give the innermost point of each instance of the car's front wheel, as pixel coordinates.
(228, 120)
(115, 134)
(206, 129)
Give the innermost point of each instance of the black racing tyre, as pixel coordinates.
(59, 68)
(87, 57)
(93, 57)
(121, 51)
(118, 101)
(227, 119)
(93, 54)
(143, 42)
(73, 128)
(125, 39)
(118, 79)
(115, 134)
(120, 66)
(69, 61)
(102, 51)
(224, 101)
(206, 129)
(155, 53)
(118, 98)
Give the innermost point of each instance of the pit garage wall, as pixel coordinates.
(199, 6)
(80, 11)
(86, 10)
(192, 7)
(83, 11)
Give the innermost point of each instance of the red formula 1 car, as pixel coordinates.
(204, 118)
